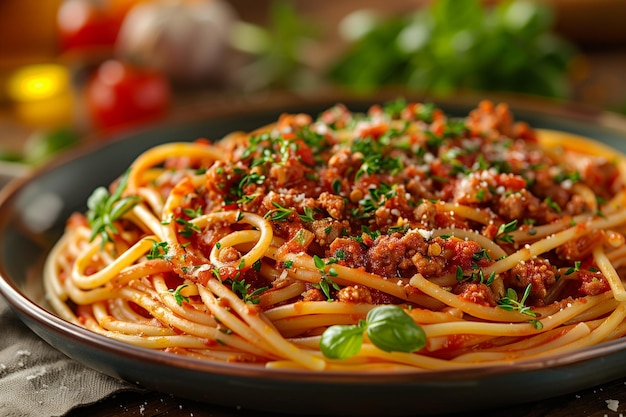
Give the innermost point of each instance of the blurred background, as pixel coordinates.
(70, 69)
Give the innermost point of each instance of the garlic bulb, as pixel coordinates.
(186, 39)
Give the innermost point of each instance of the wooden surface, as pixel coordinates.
(607, 400)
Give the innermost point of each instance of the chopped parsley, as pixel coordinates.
(178, 296)
(307, 216)
(188, 229)
(573, 269)
(242, 289)
(279, 214)
(326, 283)
(374, 159)
(158, 251)
(504, 231)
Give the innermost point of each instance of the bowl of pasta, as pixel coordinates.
(365, 251)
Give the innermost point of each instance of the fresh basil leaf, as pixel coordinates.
(391, 329)
(342, 341)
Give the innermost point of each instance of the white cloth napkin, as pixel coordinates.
(37, 380)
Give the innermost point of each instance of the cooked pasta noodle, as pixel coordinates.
(501, 243)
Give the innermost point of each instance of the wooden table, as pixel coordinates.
(607, 400)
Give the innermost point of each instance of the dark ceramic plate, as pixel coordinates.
(33, 212)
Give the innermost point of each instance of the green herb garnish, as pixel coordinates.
(178, 296)
(241, 288)
(510, 302)
(326, 282)
(279, 214)
(158, 251)
(307, 216)
(388, 327)
(504, 230)
(105, 209)
(188, 228)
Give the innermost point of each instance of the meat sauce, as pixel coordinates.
(367, 189)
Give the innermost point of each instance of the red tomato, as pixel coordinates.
(304, 153)
(84, 24)
(119, 94)
(511, 181)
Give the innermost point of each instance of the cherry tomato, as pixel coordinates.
(84, 24)
(119, 94)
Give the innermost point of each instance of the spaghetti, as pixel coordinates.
(278, 247)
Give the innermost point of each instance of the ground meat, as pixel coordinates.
(288, 174)
(523, 131)
(333, 204)
(517, 205)
(577, 205)
(288, 122)
(395, 207)
(340, 163)
(601, 175)
(539, 273)
(580, 248)
(545, 187)
(219, 177)
(476, 293)
(338, 116)
(313, 294)
(353, 253)
(473, 189)
(327, 230)
(426, 213)
(419, 188)
(427, 266)
(392, 254)
(271, 199)
(443, 256)
(491, 120)
(355, 294)
(463, 253)
(592, 283)
(229, 255)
